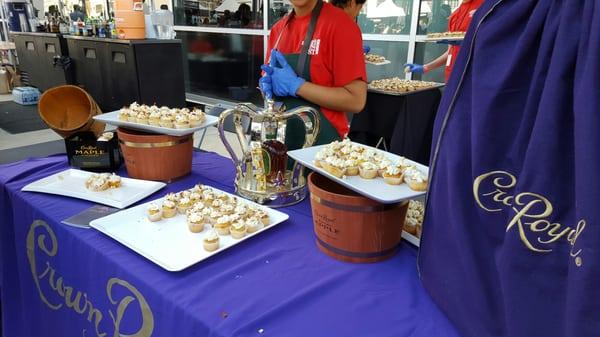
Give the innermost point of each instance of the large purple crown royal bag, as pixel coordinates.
(511, 241)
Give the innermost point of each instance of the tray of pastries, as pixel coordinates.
(103, 188)
(413, 224)
(400, 87)
(375, 59)
(184, 228)
(376, 174)
(163, 120)
(445, 36)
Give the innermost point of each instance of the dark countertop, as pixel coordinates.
(100, 39)
(37, 34)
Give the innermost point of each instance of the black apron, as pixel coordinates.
(295, 131)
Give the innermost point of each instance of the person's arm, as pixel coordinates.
(438, 62)
(350, 98)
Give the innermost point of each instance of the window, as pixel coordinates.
(395, 52)
(226, 66)
(386, 17)
(219, 13)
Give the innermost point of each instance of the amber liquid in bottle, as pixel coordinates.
(277, 152)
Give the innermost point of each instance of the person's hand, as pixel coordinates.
(366, 49)
(266, 85)
(414, 68)
(284, 81)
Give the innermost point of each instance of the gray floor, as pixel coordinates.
(46, 142)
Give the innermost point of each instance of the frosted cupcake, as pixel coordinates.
(393, 175)
(367, 170)
(195, 120)
(182, 122)
(154, 213)
(195, 222)
(211, 241)
(154, 118)
(351, 167)
(254, 224)
(415, 179)
(114, 181)
(238, 229)
(222, 225)
(168, 209)
(166, 121)
(183, 205)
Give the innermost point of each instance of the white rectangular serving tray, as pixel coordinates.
(71, 183)
(375, 189)
(112, 118)
(168, 242)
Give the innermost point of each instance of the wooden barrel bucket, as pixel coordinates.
(350, 227)
(155, 157)
(67, 109)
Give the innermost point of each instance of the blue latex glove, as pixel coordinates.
(414, 68)
(366, 49)
(266, 86)
(284, 80)
(454, 43)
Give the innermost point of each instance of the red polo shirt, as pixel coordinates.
(336, 52)
(459, 22)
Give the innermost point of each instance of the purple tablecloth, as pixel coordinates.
(276, 284)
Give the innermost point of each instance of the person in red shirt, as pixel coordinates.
(326, 72)
(458, 22)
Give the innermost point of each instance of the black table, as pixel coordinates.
(405, 122)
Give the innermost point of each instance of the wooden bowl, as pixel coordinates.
(68, 109)
(350, 227)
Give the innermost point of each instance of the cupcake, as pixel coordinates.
(183, 205)
(393, 175)
(227, 209)
(367, 170)
(254, 224)
(334, 166)
(320, 158)
(195, 197)
(198, 207)
(211, 241)
(382, 166)
(263, 217)
(222, 225)
(142, 118)
(241, 210)
(214, 216)
(124, 114)
(238, 229)
(206, 212)
(154, 118)
(195, 222)
(217, 203)
(154, 213)
(351, 167)
(166, 121)
(195, 120)
(114, 181)
(98, 184)
(132, 116)
(168, 209)
(182, 122)
(416, 180)
(172, 197)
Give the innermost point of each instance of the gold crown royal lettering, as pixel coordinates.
(56, 294)
(532, 214)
